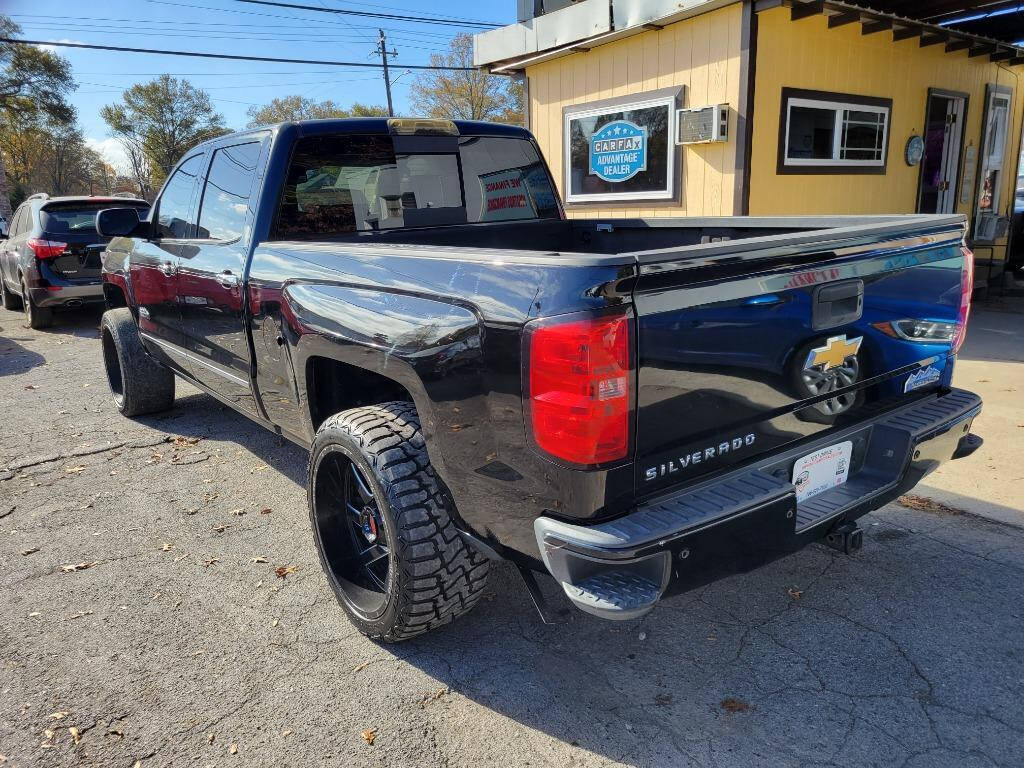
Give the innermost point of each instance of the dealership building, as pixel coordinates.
(649, 108)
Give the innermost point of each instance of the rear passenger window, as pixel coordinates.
(226, 194)
(18, 223)
(173, 206)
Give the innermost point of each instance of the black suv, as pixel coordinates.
(51, 257)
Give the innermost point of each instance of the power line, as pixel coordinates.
(239, 11)
(375, 15)
(233, 57)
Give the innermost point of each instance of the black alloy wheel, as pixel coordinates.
(354, 534)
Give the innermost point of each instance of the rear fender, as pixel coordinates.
(432, 348)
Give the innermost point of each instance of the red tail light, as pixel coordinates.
(46, 249)
(966, 289)
(580, 382)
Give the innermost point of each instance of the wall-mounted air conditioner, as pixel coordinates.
(702, 125)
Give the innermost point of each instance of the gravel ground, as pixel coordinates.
(162, 605)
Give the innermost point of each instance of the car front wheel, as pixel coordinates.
(138, 383)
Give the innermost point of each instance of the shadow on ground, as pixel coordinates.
(197, 414)
(907, 653)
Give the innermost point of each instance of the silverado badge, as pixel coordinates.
(835, 352)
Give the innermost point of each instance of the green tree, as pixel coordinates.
(157, 122)
(34, 84)
(465, 95)
(290, 108)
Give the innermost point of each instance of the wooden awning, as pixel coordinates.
(980, 27)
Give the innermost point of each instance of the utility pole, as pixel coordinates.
(382, 49)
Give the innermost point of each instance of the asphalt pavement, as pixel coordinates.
(161, 604)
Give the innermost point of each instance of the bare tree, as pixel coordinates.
(465, 95)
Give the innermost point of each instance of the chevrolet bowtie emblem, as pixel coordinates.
(836, 350)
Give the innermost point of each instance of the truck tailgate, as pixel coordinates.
(750, 345)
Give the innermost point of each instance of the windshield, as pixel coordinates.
(80, 218)
(342, 184)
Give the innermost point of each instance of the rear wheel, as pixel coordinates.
(36, 317)
(138, 383)
(10, 300)
(382, 527)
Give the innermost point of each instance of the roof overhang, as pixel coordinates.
(953, 39)
(578, 28)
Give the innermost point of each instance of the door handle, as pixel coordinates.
(227, 279)
(167, 268)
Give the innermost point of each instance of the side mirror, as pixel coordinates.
(122, 222)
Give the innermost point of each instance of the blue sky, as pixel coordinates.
(229, 26)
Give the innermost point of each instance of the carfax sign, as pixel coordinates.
(618, 151)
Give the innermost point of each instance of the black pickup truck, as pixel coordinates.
(634, 406)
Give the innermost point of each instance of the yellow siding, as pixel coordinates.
(702, 53)
(807, 54)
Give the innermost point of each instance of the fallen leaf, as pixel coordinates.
(31, 386)
(210, 737)
(234, 749)
(221, 528)
(260, 560)
(76, 736)
(286, 732)
(48, 733)
(795, 593)
(369, 735)
(924, 504)
(284, 570)
(266, 511)
(260, 468)
(78, 566)
(182, 440)
(732, 705)
(275, 622)
(433, 696)
(26, 552)
(210, 562)
(75, 470)
(166, 547)
(237, 512)
(59, 715)
(361, 667)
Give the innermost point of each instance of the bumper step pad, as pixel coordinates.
(614, 594)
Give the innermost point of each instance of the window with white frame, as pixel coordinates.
(833, 133)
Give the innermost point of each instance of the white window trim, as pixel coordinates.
(572, 113)
(838, 108)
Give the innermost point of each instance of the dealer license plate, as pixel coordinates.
(824, 469)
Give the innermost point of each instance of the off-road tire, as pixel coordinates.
(10, 300)
(435, 577)
(36, 317)
(138, 383)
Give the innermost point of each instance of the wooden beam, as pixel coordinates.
(842, 19)
(981, 50)
(875, 25)
(1003, 56)
(805, 10)
(1015, 62)
(958, 45)
(927, 40)
(905, 33)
